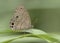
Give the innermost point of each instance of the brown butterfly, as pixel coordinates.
(20, 20)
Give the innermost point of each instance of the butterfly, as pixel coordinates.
(21, 19)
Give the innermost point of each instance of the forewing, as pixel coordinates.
(21, 19)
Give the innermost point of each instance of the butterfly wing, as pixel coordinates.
(21, 19)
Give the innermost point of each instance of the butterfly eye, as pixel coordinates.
(12, 23)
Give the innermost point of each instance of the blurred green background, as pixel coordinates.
(45, 14)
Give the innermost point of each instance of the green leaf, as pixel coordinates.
(41, 36)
